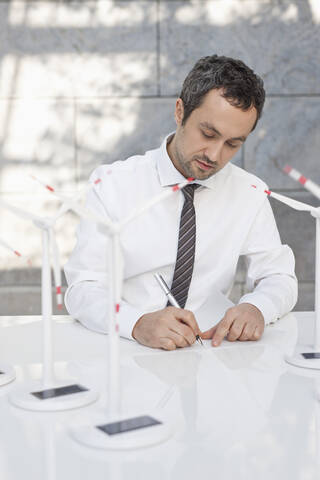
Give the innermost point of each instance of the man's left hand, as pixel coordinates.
(242, 322)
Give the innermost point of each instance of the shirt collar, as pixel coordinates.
(169, 175)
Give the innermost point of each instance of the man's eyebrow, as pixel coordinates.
(211, 127)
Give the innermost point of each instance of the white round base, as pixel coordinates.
(8, 374)
(25, 398)
(298, 360)
(91, 436)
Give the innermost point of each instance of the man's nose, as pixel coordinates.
(213, 152)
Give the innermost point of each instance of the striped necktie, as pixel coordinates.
(186, 248)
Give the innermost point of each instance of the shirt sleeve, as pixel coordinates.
(270, 266)
(87, 274)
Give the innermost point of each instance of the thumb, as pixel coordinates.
(208, 333)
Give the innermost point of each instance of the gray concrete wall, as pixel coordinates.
(87, 82)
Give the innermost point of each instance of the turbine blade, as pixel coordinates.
(304, 207)
(19, 211)
(157, 199)
(308, 184)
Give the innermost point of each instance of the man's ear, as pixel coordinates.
(179, 112)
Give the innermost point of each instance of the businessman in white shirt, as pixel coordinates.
(219, 106)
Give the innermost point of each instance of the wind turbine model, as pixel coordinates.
(49, 394)
(119, 430)
(306, 182)
(309, 356)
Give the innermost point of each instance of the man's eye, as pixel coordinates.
(207, 136)
(231, 145)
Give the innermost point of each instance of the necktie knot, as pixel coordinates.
(188, 191)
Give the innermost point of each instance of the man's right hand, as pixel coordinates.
(168, 329)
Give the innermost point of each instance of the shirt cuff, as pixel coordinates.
(88, 304)
(128, 316)
(264, 304)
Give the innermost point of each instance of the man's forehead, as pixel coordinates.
(217, 113)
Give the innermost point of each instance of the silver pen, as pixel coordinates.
(170, 297)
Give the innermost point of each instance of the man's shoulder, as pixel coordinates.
(242, 177)
(246, 188)
(132, 165)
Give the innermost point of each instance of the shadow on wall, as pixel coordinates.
(103, 77)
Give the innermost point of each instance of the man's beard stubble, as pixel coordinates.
(186, 166)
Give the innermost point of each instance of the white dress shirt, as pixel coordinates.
(232, 219)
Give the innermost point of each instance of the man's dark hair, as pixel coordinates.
(241, 86)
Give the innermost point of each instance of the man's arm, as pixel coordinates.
(271, 274)
(87, 274)
(87, 297)
(88, 302)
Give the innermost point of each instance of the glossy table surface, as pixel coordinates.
(239, 410)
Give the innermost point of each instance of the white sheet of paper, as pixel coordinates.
(212, 310)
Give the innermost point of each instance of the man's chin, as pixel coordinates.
(201, 173)
(198, 174)
(204, 177)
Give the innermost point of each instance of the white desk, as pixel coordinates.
(241, 411)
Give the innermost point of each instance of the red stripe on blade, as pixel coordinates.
(302, 180)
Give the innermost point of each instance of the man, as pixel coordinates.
(195, 238)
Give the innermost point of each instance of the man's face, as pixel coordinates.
(211, 136)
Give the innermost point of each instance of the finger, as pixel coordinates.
(223, 328)
(179, 340)
(236, 330)
(208, 333)
(257, 334)
(186, 317)
(167, 343)
(184, 331)
(247, 332)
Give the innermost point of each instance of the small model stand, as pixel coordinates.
(7, 374)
